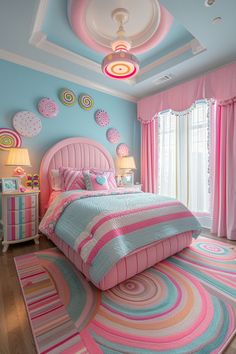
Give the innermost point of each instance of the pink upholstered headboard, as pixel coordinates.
(72, 152)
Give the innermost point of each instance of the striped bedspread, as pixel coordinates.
(105, 226)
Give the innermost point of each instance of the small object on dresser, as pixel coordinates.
(128, 179)
(32, 181)
(29, 181)
(35, 181)
(10, 184)
(19, 217)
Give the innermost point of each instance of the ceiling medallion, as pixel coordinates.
(92, 23)
(120, 64)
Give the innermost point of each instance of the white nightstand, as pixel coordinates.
(137, 187)
(19, 217)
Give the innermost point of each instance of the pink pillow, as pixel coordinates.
(95, 182)
(72, 179)
(108, 174)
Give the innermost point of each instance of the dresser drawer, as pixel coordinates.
(22, 216)
(21, 202)
(21, 231)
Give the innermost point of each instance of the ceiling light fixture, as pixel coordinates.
(209, 3)
(120, 64)
(217, 20)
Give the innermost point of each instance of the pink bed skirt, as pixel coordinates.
(132, 264)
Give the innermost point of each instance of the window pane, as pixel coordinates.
(198, 124)
(167, 154)
(183, 156)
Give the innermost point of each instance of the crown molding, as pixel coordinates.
(39, 40)
(179, 51)
(47, 69)
(39, 18)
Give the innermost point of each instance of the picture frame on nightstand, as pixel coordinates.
(9, 184)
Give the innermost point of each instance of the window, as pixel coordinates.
(183, 156)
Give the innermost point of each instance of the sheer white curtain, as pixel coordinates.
(199, 167)
(183, 157)
(167, 154)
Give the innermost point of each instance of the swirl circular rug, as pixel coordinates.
(186, 304)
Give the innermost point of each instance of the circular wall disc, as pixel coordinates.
(27, 124)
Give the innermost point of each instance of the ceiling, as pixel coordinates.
(173, 40)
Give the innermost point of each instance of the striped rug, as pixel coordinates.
(185, 304)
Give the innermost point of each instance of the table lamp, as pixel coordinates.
(127, 164)
(18, 157)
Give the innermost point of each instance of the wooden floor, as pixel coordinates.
(15, 333)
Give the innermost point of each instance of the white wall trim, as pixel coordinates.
(179, 51)
(39, 18)
(35, 65)
(40, 40)
(52, 48)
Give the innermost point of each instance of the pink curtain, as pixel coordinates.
(149, 157)
(219, 84)
(224, 169)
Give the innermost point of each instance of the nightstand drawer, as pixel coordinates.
(16, 217)
(21, 202)
(19, 217)
(21, 231)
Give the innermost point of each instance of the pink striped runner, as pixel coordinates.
(53, 330)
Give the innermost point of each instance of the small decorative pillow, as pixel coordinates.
(95, 182)
(108, 174)
(72, 179)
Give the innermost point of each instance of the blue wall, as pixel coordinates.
(21, 88)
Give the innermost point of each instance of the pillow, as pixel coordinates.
(95, 182)
(55, 180)
(72, 179)
(109, 175)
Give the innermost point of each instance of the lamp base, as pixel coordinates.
(127, 179)
(20, 173)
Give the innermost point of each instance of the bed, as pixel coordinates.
(83, 153)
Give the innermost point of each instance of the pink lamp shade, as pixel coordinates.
(18, 157)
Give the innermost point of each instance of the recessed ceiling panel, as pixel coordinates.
(96, 23)
(153, 32)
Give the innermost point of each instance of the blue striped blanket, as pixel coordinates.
(105, 226)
